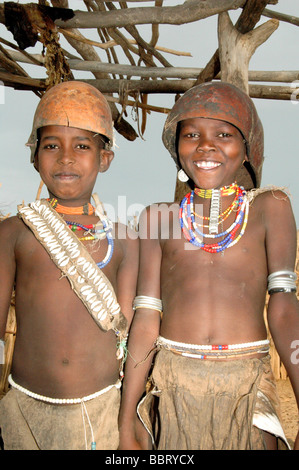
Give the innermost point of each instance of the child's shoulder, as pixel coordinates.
(124, 234)
(269, 196)
(10, 228)
(162, 208)
(159, 213)
(272, 202)
(10, 223)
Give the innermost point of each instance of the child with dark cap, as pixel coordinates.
(199, 331)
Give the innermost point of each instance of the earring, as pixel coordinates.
(182, 176)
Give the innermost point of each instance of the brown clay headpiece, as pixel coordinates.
(225, 102)
(72, 104)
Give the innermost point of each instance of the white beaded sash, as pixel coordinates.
(71, 257)
(61, 401)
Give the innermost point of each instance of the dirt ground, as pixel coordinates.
(288, 410)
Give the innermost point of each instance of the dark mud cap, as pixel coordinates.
(224, 102)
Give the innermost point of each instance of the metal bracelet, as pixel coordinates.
(282, 281)
(144, 301)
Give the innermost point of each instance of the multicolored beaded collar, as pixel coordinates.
(97, 231)
(229, 236)
(224, 191)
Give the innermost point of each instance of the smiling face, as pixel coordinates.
(210, 151)
(69, 160)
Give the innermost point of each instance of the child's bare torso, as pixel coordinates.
(59, 350)
(213, 298)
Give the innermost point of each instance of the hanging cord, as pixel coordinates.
(84, 411)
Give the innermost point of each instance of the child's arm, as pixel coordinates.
(127, 271)
(283, 308)
(144, 331)
(7, 271)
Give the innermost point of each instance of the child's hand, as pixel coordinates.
(135, 437)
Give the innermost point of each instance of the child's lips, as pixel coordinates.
(206, 164)
(66, 176)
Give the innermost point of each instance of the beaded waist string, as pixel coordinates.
(68, 401)
(213, 351)
(61, 401)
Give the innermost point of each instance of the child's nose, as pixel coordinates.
(66, 155)
(205, 143)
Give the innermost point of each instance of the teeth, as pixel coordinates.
(207, 164)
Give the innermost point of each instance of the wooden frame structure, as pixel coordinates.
(148, 70)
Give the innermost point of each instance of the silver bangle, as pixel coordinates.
(143, 301)
(282, 281)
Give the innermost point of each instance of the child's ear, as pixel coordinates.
(246, 159)
(106, 157)
(36, 163)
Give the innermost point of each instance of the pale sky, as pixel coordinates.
(142, 171)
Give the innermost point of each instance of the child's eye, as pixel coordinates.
(82, 146)
(50, 146)
(224, 134)
(192, 135)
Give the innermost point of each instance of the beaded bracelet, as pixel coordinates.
(143, 301)
(282, 281)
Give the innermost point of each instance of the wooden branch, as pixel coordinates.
(146, 86)
(22, 83)
(286, 76)
(236, 49)
(250, 15)
(146, 51)
(113, 43)
(155, 27)
(87, 52)
(31, 57)
(143, 1)
(188, 12)
(180, 86)
(147, 107)
(272, 92)
(10, 65)
(281, 17)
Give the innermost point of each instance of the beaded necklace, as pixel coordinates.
(97, 231)
(215, 195)
(224, 191)
(224, 214)
(194, 235)
(86, 209)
